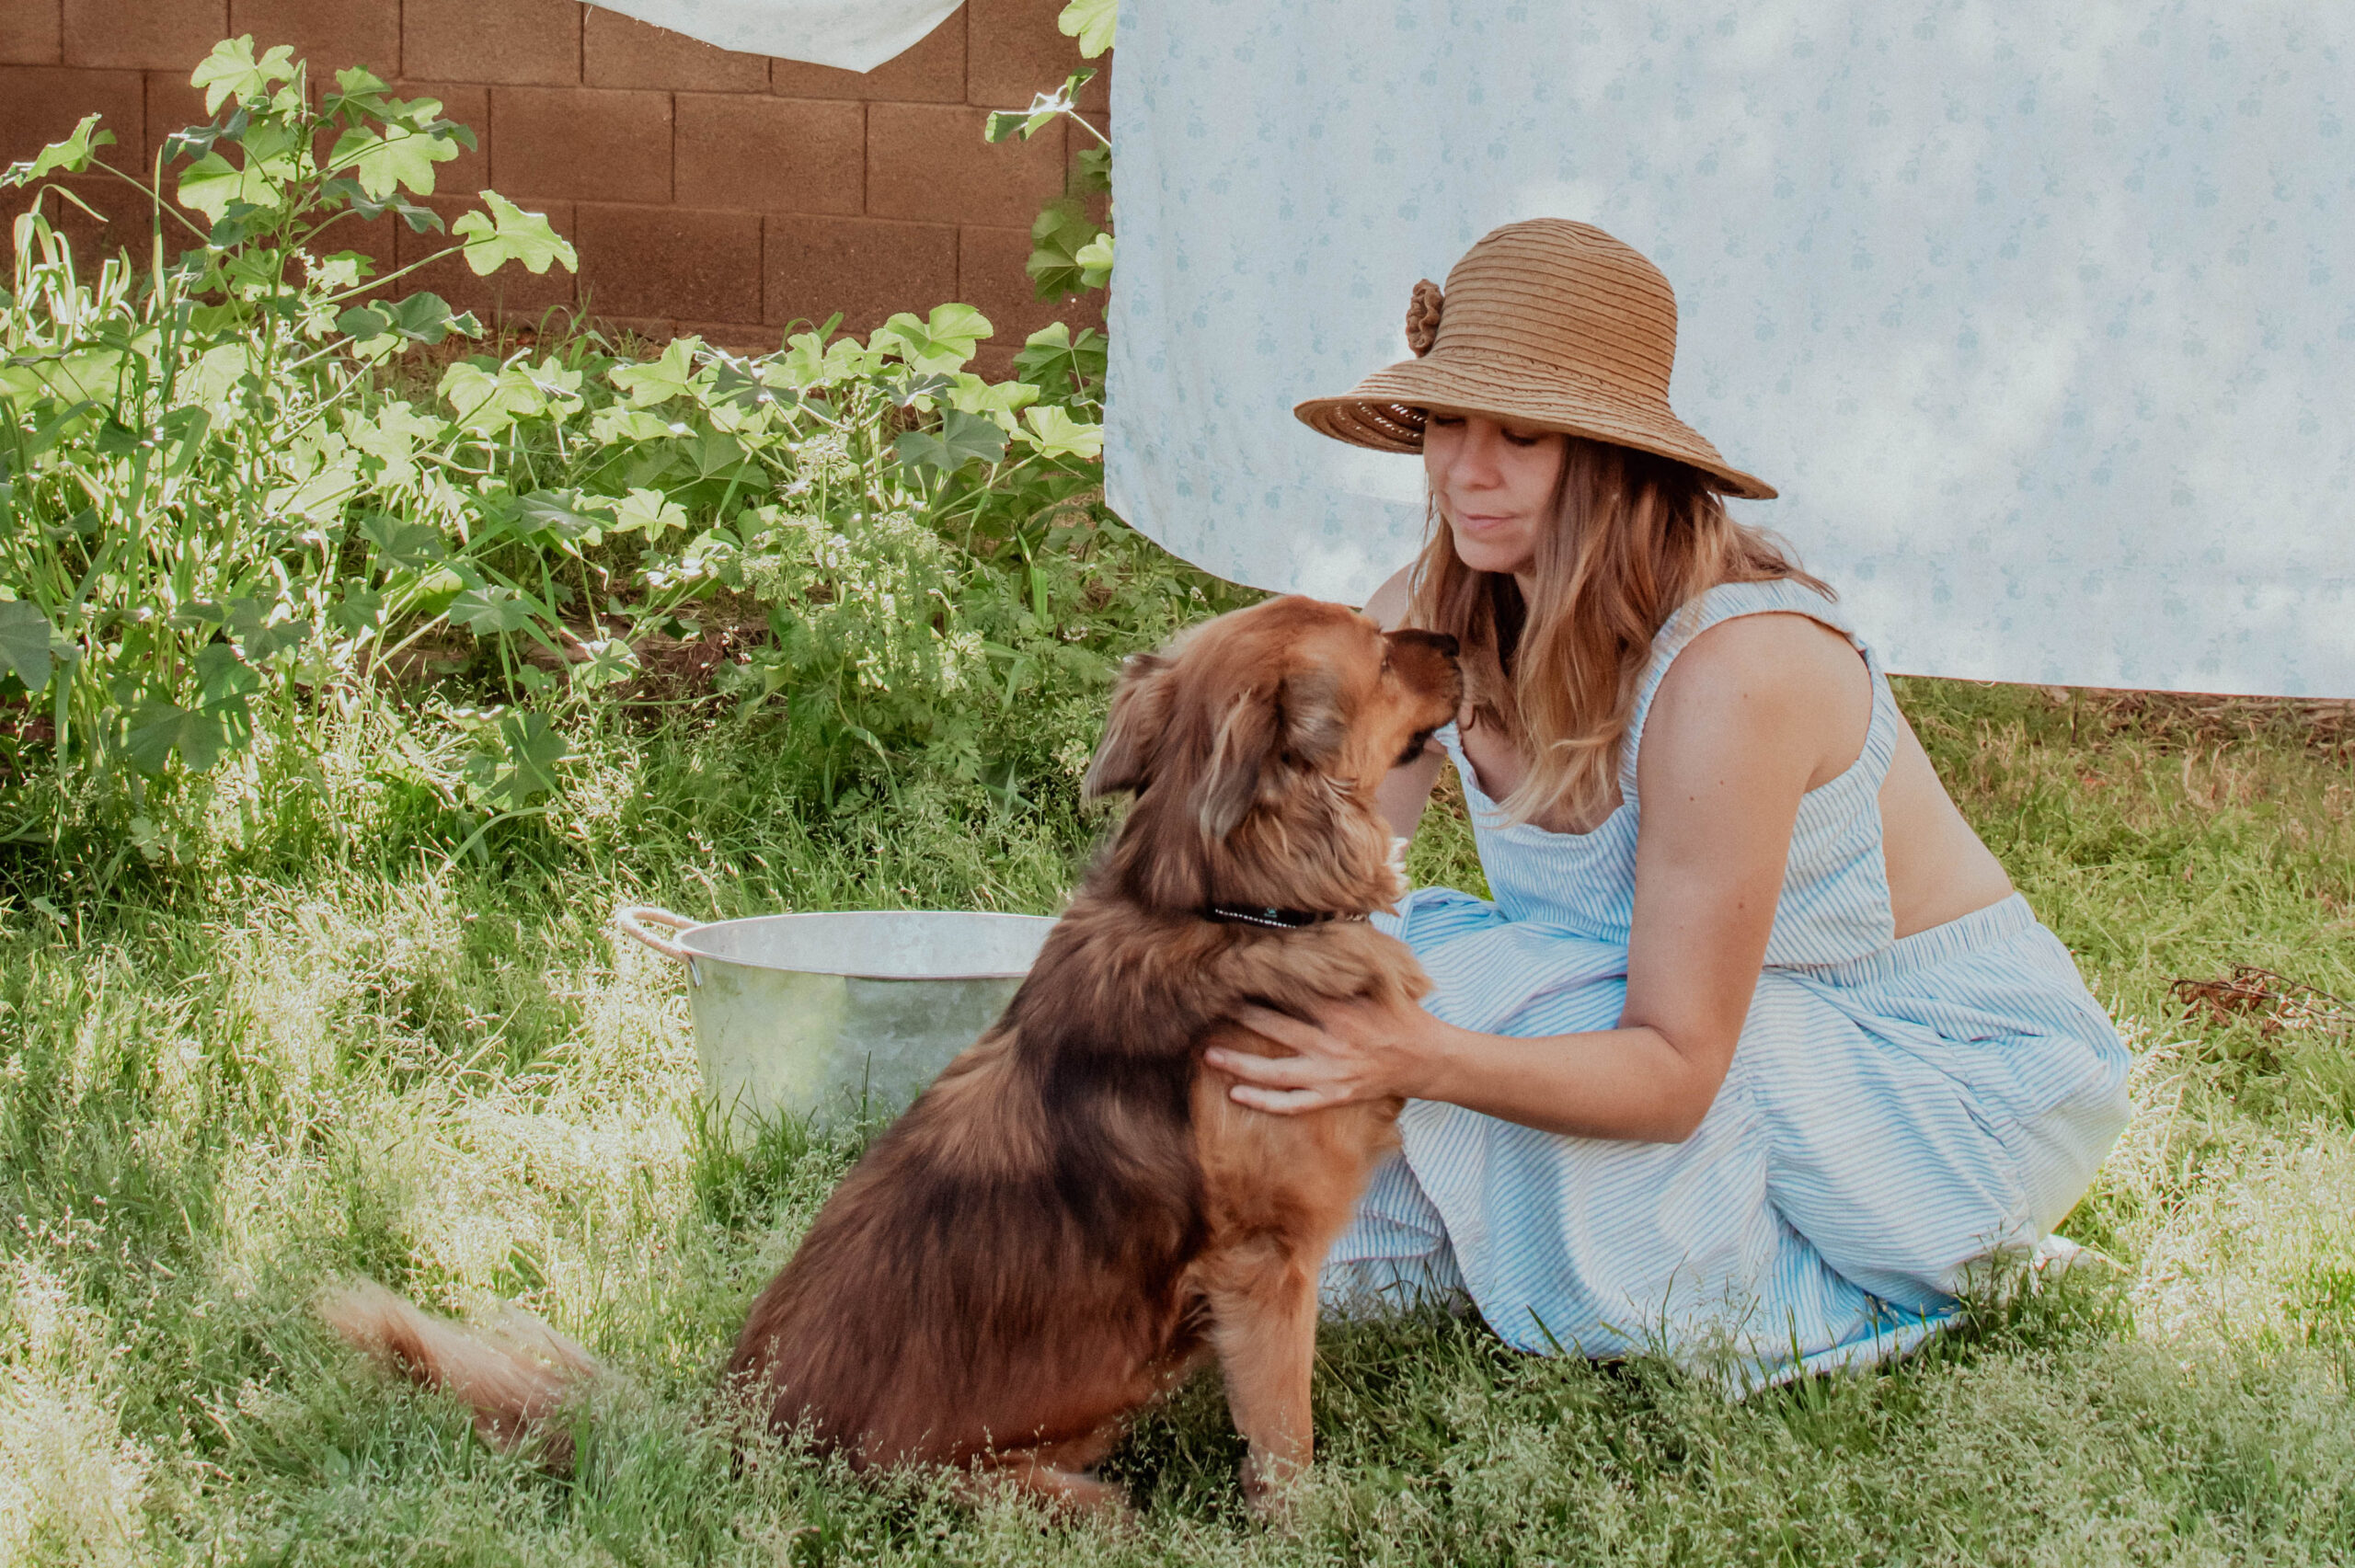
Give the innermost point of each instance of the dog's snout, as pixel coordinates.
(1447, 643)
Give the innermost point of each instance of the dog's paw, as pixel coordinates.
(1267, 1486)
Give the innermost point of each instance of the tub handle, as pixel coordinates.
(634, 918)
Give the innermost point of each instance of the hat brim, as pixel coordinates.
(1385, 411)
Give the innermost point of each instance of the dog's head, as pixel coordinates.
(1254, 744)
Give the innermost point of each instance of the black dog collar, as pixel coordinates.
(1272, 919)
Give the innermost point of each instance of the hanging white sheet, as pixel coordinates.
(2042, 318)
(857, 35)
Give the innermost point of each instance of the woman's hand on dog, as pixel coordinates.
(1356, 1051)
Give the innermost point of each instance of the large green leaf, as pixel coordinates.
(232, 72)
(1094, 260)
(1044, 111)
(257, 636)
(24, 642)
(610, 661)
(1056, 434)
(940, 344)
(399, 156)
(510, 234)
(550, 517)
(421, 318)
(491, 609)
(524, 762)
(659, 379)
(962, 437)
(488, 401)
(405, 545)
(219, 724)
(998, 401)
(72, 156)
(391, 434)
(360, 94)
(618, 422)
(650, 512)
(1092, 22)
(1061, 231)
(1063, 366)
(156, 729)
(212, 183)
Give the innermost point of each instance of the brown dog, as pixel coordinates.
(1075, 1212)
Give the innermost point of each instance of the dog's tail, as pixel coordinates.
(513, 1374)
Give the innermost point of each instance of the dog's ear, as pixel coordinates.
(1301, 723)
(1314, 725)
(1242, 758)
(1132, 730)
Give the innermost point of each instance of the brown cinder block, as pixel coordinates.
(673, 262)
(1013, 49)
(330, 34)
(38, 104)
(931, 71)
(520, 296)
(993, 360)
(865, 268)
(622, 51)
(929, 161)
(991, 278)
(499, 41)
(159, 35)
(770, 154)
(736, 337)
(173, 104)
(30, 32)
(604, 144)
(470, 107)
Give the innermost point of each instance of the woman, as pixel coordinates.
(1756, 1051)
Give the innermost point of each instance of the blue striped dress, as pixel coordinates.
(1897, 1112)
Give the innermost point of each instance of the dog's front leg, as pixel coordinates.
(1262, 1298)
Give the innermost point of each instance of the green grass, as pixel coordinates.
(222, 1086)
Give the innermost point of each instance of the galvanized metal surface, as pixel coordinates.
(828, 1017)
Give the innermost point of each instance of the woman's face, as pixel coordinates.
(1494, 485)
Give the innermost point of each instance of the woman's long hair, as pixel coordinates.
(1635, 538)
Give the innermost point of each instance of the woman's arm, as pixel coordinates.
(1405, 790)
(1752, 715)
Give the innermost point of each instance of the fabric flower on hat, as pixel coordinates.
(1422, 317)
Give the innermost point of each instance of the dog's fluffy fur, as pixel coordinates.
(1077, 1212)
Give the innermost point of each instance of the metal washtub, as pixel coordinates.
(830, 1016)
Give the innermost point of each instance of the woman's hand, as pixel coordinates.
(1356, 1051)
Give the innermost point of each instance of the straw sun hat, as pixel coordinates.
(1547, 324)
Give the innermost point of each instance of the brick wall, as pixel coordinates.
(719, 193)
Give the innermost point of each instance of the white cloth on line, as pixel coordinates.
(857, 35)
(2040, 318)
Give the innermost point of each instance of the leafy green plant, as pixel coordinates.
(191, 450)
(248, 493)
(1069, 251)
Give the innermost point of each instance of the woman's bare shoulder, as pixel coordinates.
(1387, 604)
(1782, 651)
(1786, 671)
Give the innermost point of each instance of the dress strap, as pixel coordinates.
(1780, 596)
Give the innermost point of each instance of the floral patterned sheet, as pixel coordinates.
(2042, 319)
(856, 35)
